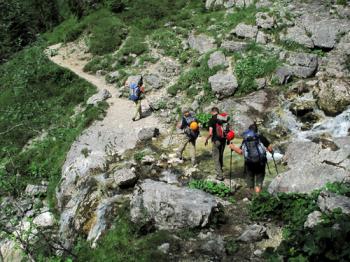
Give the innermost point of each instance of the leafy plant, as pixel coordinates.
(339, 188)
(203, 119)
(219, 189)
(138, 156)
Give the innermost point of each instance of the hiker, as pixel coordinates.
(190, 128)
(253, 148)
(136, 92)
(216, 133)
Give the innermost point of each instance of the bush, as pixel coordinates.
(211, 187)
(203, 119)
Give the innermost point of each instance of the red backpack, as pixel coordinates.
(222, 125)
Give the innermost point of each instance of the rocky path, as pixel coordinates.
(99, 145)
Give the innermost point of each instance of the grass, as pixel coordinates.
(37, 95)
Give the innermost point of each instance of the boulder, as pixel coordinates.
(298, 35)
(153, 81)
(253, 233)
(223, 84)
(125, 177)
(164, 248)
(171, 207)
(245, 31)
(102, 95)
(211, 244)
(113, 77)
(264, 20)
(146, 134)
(262, 38)
(233, 46)
(35, 190)
(217, 59)
(10, 251)
(301, 64)
(313, 219)
(311, 167)
(45, 219)
(333, 96)
(283, 75)
(202, 43)
(324, 32)
(328, 202)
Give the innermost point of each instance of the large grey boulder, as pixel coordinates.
(11, 251)
(99, 97)
(153, 81)
(312, 167)
(253, 233)
(245, 31)
(171, 207)
(223, 84)
(45, 219)
(328, 202)
(301, 64)
(298, 35)
(324, 33)
(125, 177)
(233, 46)
(202, 43)
(217, 59)
(333, 96)
(264, 20)
(146, 134)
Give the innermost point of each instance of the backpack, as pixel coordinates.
(254, 151)
(135, 92)
(190, 133)
(222, 126)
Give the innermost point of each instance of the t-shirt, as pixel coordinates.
(212, 124)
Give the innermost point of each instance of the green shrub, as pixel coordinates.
(167, 40)
(211, 187)
(341, 2)
(203, 119)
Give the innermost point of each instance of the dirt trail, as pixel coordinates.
(74, 57)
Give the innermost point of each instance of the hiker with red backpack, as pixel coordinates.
(220, 134)
(136, 92)
(190, 132)
(253, 148)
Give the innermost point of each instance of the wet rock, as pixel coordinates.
(201, 43)
(125, 177)
(99, 97)
(283, 75)
(233, 46)
(171, 207)
(312, 167)
(36, 190)
(302, 64)
(333, 96)
(313, 219)
(328, 202)
(253, 233)
(146, 134)
(153, 81)
(245, 31)
(217, 59)
(302, 107)
(164, 248)
(298, 35)
(44, 220)
(223, 84)
(264, 20)
(103, 217)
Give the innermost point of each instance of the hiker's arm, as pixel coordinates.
(142, 89)
(235, 148)
(209, 136)
(266, 143)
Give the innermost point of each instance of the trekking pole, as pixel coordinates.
(274, 161)
(231, 172)
(268, 167)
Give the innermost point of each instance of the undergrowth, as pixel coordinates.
(219, 189)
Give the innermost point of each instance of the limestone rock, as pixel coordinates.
(223, 84)
(153, 81)
(302, 64)
(283, 75)
(312, 167)
(245, 31)
(328, 202)
(233, 46)
(171, 207)
(125, 177)
(11, 251)
(217, 59)
(201, 43)
(35, 190)
(264, 20)
(298, 35)
(45, 219)
(253, 233)
(99, 97)
(333, 96)
(148, 133)
(313, 219)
